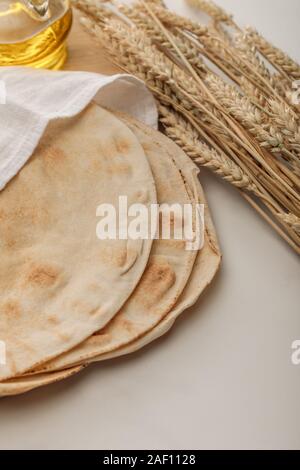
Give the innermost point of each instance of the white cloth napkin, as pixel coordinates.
(30, 99)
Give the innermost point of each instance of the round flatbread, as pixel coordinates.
(167, 273)
(59, 283)
(207, 261)
(205, 268)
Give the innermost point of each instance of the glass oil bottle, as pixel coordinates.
(33, 32)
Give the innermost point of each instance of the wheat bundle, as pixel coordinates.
(244, 127)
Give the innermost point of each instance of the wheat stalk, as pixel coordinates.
(250, 116)
(254, 67)
(253, 92)
(124, 53)
(213, 113)
(292, 220)
(145, 23)
(221, 53)
(226, 168)
(172, 19)
(133, 49)
(183, 133)
(94, 9)
(290, 127)
(276, 57)
(294, 245)
(246, 133)
(211, 9)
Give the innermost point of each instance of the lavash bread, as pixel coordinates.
(167, 273)
(208, 258)
(204, 268)
(59, 283)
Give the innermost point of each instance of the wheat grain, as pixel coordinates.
(191, 53)
(287, 124)
(241, 108)
(253, 92)
(292, 221)
(170, 18)
(213, 46)
(211, 9)
(123, 49)
(141, 20)
(250, 56)
(213, 111)
(134, 52)
(136, 44)
(145, 23)
(253, 66)
(183, 133)
(223, 127)
(94, 9)
(275, 56)
(125, 54)
(296, 169)
(222, 31)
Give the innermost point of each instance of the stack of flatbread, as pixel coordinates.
(67, 298)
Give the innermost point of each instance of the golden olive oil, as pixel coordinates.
(26, 41)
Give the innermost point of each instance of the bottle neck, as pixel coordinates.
(17, 25)
(38, 9)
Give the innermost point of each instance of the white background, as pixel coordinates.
(223, 378)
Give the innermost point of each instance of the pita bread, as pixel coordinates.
(167, 273)
(207, 261)
(205, 268)
(59, 283)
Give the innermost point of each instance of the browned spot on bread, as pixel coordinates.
(82, 306)
(79, 305)
(25, 213)
(120, 168)
(64, 336)
(12, 309)
(146, 147)
(127, 325)
(158, 278)
(53, 154)
(122, 145)
(42, 275)
(116, 257)
(142, 196)
(94, 287)
(114, 164)
(96, 165)
(10, 243)
(103, 334)
(121, 256)
(53, 320)
(176, 244)
(2, 215)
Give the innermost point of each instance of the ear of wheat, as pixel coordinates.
(244, 128)
(213, 10)
(275, 56)
(186, 136)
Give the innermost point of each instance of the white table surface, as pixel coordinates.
(223, 378)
